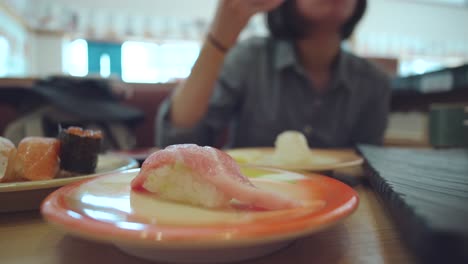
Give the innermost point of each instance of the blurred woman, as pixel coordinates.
(298, 78)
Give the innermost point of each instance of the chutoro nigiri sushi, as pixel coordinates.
(203, 176)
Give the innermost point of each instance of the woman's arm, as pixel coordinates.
(189, 102)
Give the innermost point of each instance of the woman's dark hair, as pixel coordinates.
(285, 23)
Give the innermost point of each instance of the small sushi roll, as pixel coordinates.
(202, 176)
(80, 149)
(37, 158)
(7, 154)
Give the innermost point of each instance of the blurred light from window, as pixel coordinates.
(138, 62)
(420, 66)
(76, 58)
(176, 59)
(105, 66)
(152, 63)
(4, 54)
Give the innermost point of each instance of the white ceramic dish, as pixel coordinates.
(21, 196)
(320, 159)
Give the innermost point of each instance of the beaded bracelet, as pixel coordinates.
(217, 44)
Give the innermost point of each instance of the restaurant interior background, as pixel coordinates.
(418, 186)
(157, 41)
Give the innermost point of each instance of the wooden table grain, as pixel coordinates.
(368, 236)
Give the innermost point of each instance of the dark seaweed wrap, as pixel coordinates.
(79, 154)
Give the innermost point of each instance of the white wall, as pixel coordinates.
(177, 8)
(427, 21)
(47, 55)
(426, 28)
(403, 17)
(421, 27)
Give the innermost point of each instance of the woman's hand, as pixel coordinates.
(191, 97)
(233, 15)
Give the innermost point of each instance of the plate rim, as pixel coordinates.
(61, 217)
(10, 187)
(359, 160)
(137, 153)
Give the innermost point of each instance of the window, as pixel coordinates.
(133, 61)
(4, 54)
(413, 66)
(139, 62)
(76, 58)
(105, 65)
(176, 59)
(149, 62)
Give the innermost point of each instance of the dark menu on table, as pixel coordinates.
(426, 193)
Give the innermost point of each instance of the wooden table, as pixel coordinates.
(368, 236)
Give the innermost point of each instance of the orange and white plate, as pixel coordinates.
(27, 195)
(106, 209)
(319, 160)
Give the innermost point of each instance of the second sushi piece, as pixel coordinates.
(80, 149)
(37, 158)
(203, 176)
